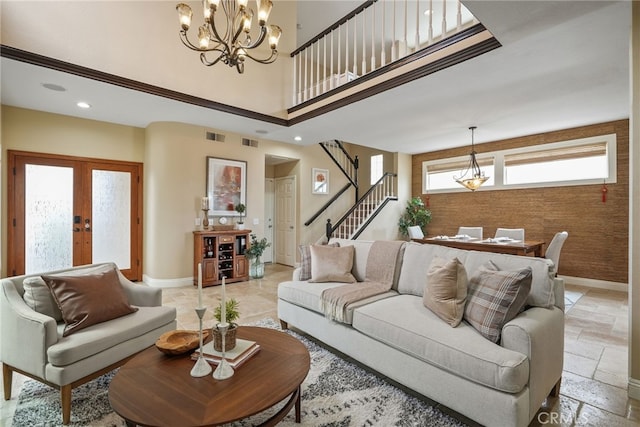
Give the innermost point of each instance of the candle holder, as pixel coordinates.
(201, 368)
(205, 220)
(224, 370)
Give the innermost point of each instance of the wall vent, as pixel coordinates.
(212, 136)
(249, 142)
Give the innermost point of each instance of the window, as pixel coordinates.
(572, 163)
(577, 162)
(376, 168)
(441, 175)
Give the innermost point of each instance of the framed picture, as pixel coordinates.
(320, 181)
(226, 185)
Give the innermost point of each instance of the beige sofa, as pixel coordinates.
(32, 342)
(495, 384)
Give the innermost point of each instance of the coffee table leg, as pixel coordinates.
(298, 405)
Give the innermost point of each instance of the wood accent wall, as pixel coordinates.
(597, 247)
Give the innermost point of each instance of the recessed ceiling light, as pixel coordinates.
(427, 12)
(261, 132)
(298, 138)
(83, 104)
(52, 86)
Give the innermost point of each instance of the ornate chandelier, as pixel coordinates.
(230, 46)
(476, 177)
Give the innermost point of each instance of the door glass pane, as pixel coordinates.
(48, 218)
(111, 216)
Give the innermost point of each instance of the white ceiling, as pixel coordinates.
(562, 64)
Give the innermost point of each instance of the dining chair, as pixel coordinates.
(474, 232)
(415, 232)
(553, 250)
(512, 233)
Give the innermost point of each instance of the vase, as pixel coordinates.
(256, 269)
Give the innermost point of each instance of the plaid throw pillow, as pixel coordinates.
(495, 297)
(305, 260)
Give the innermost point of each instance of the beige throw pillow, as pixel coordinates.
(38, 296)
(446, 289)
(90, 299)
(329, 264)
(305, 260)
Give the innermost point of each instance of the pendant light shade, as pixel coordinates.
(473, 177)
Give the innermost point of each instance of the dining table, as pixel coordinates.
(499, 245)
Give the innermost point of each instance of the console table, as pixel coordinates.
(221, 254)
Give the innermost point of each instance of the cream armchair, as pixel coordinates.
(32, 342)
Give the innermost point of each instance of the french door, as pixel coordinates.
(65, 211)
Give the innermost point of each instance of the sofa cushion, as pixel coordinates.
(39, 298)
(102, 336)
(403, 323)
(495, 297)
(415, 265)
(88, 299)
(329, 264)
(446, 289)
(305, 260)
(360, 257)
(309, 296)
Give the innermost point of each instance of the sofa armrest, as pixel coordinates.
(25, 334)
(539, 334)
(140, 294)
(295, 277)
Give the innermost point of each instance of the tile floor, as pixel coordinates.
(593, 391)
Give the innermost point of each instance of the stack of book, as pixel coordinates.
(242, 352)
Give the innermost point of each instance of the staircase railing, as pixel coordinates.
(356, 219)
(348, 165)
(372, 36)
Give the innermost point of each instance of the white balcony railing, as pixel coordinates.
(374, 35)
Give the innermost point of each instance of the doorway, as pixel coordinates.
(269, 213)
(65, 211)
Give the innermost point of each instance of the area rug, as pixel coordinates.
(336, 393)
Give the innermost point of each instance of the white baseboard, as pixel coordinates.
(595, 283)
(167, 283)
(634, 388)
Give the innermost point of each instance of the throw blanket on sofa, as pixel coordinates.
(380, 271)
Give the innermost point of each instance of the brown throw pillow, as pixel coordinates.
(446, 289)
(495, 297)
(305, 260)
(87, 300)
(331, 264)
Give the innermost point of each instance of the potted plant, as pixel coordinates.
(415, 213)
(254, 252)
(241, 209)
(232, 314)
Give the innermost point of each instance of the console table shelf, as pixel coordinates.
(221, 253)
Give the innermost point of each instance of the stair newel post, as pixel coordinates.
(328, 229)
(356, 164)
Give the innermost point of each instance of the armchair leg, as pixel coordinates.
(65, 400)
(555, 391)
(7, 380)
(284, 325)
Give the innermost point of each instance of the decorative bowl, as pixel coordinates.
(180, 341)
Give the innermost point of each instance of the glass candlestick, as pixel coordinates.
(201, 368)
(205, 220)
(224, 370)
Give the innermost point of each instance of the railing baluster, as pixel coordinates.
(417, 42)
(406, 28)
(306, 86)
(373, 32)
(383, 54)
(331, 69)
(318, 83)
(394, 53)
(324, 61)
(364, 40)
(459, 16)
(355, 45)
(444, 18)
(430, 39)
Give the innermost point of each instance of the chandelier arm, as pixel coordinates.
(185, 41)
(259, 40)
(219, 39)
(269, 60)
(207, 62)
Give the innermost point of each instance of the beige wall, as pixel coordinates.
(174, 157)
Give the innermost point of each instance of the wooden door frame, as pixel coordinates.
(15, 209)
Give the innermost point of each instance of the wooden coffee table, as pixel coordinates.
(154, 389)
